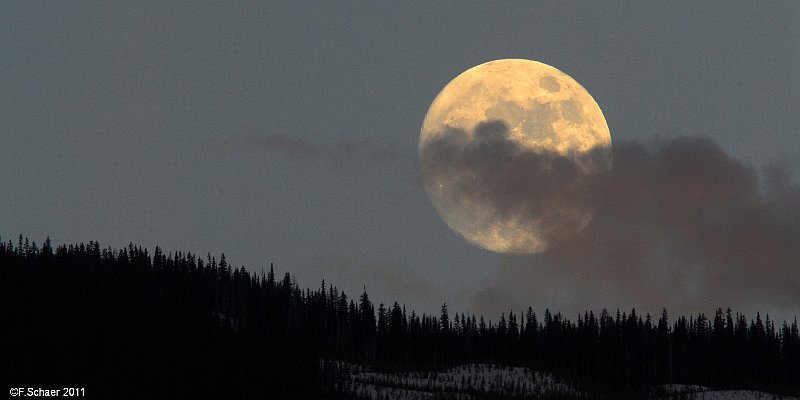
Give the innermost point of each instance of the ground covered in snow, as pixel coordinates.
(488, 381)
(471, 381)
(695, 392)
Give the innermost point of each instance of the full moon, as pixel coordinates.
(510, 151)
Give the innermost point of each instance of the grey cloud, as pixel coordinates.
(342, 151)
(506, 181)
(680, 224)
(394, 280)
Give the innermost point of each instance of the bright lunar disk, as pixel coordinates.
(509, 150)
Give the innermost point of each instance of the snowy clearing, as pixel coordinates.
(695, 392)
(471, 381)
(461, 382)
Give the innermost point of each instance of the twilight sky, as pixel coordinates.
(288, 132)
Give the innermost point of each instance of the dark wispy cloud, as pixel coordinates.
(487, 179)
(393, 278)
(679, 224)
(341, 151)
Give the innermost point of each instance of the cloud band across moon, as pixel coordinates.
(679, 224)
(507, 197)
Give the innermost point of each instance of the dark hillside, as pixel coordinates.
(127, 323)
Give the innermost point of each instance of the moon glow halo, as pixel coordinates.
(507, 150)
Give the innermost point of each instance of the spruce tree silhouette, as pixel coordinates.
(121, 322)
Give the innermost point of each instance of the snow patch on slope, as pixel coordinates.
(461, 382)
(696, 392)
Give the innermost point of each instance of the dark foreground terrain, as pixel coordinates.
(130, 324)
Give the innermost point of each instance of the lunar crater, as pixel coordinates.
(549, 83)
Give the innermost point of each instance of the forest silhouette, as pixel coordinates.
(125, 323)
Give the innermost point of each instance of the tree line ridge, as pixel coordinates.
(112, 317)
